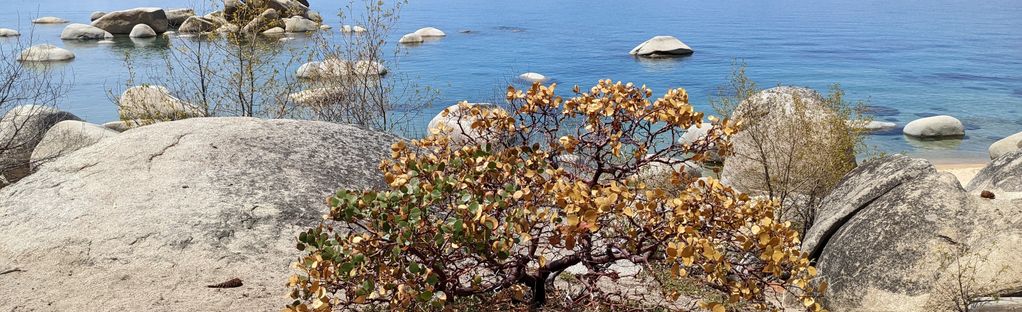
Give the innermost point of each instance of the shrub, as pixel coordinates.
(504, 216)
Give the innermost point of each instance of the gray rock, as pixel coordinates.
(177, 17)
(197, 24)
(142, 31)
(1003, 174)
(318, 97)
(49, 20)
(84, 32)
(144, 220)
(45, 53)
(531, 77)
(935, 127)
(430, 32)
(234, 11)
(66, 137)
(7, 32)
(299, 24)
(310, 70)
(21, 129)
(122, 22)
(872, 126)
(694, 134)
(155, 103)
(781, 123)
(275, 31)
(886, 234)
(315, 16)
(1006, 145)
(412, 38)
(96, 15)
(265, 21)
(287, 8)
(661, 46)
(125, 125)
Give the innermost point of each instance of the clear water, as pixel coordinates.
(920, 57)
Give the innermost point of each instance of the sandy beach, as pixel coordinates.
(965, 172)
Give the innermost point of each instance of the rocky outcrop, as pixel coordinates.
(21, 129)
(177, 17)
(410, 39)
(532, 77)
(145, 220)
(786, 130)
(334, 68)
(45, 53)
(49, 20)
(154, 103)
(265, 21)
(896, 235)
(66, 137)
(122, 22)
(430, 32)
(935, 127)
(1006, 145)
(142, 31)
(7, 32)
(84, 32)
(661, 46)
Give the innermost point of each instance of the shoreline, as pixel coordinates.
(964, 171)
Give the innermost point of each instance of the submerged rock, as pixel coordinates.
(84, 32)
(532, 77)
(935, 127)
(49, 20)
(163, 210)
(45, 53)
(7, 32)
(661, 46)
(123, 22)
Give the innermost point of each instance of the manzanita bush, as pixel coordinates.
(550, 185)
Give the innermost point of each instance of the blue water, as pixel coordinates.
(913, 57)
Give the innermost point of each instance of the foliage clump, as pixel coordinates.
(508, 215)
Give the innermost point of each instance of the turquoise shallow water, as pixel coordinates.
(913, 58)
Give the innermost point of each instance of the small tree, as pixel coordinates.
(797, 156)
(23, 84)
(505, 216)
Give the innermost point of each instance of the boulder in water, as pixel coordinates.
(45, 53)
(661, 46)
(49, 20)
(142, 31)
(123, 22)
(84, 32)
(935, 127)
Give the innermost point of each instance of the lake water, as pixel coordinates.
(918, 57)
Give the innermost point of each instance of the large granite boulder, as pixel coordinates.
(1004, 174)
(298, 24)
(1006, 145)
(531, 77)
(122, 22)
(661, 46)
(698, 134)
(66, 137)
(144, 221)
(197, 24)
(430, 32)
(96, 15)
(142, 31)
(790, 133)
(84, 32)
(411, 38)
(176, 17)
(270, 18)
(45, 53)
(885, 233)
(935, 127)
(21, 129)
(154, 103)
